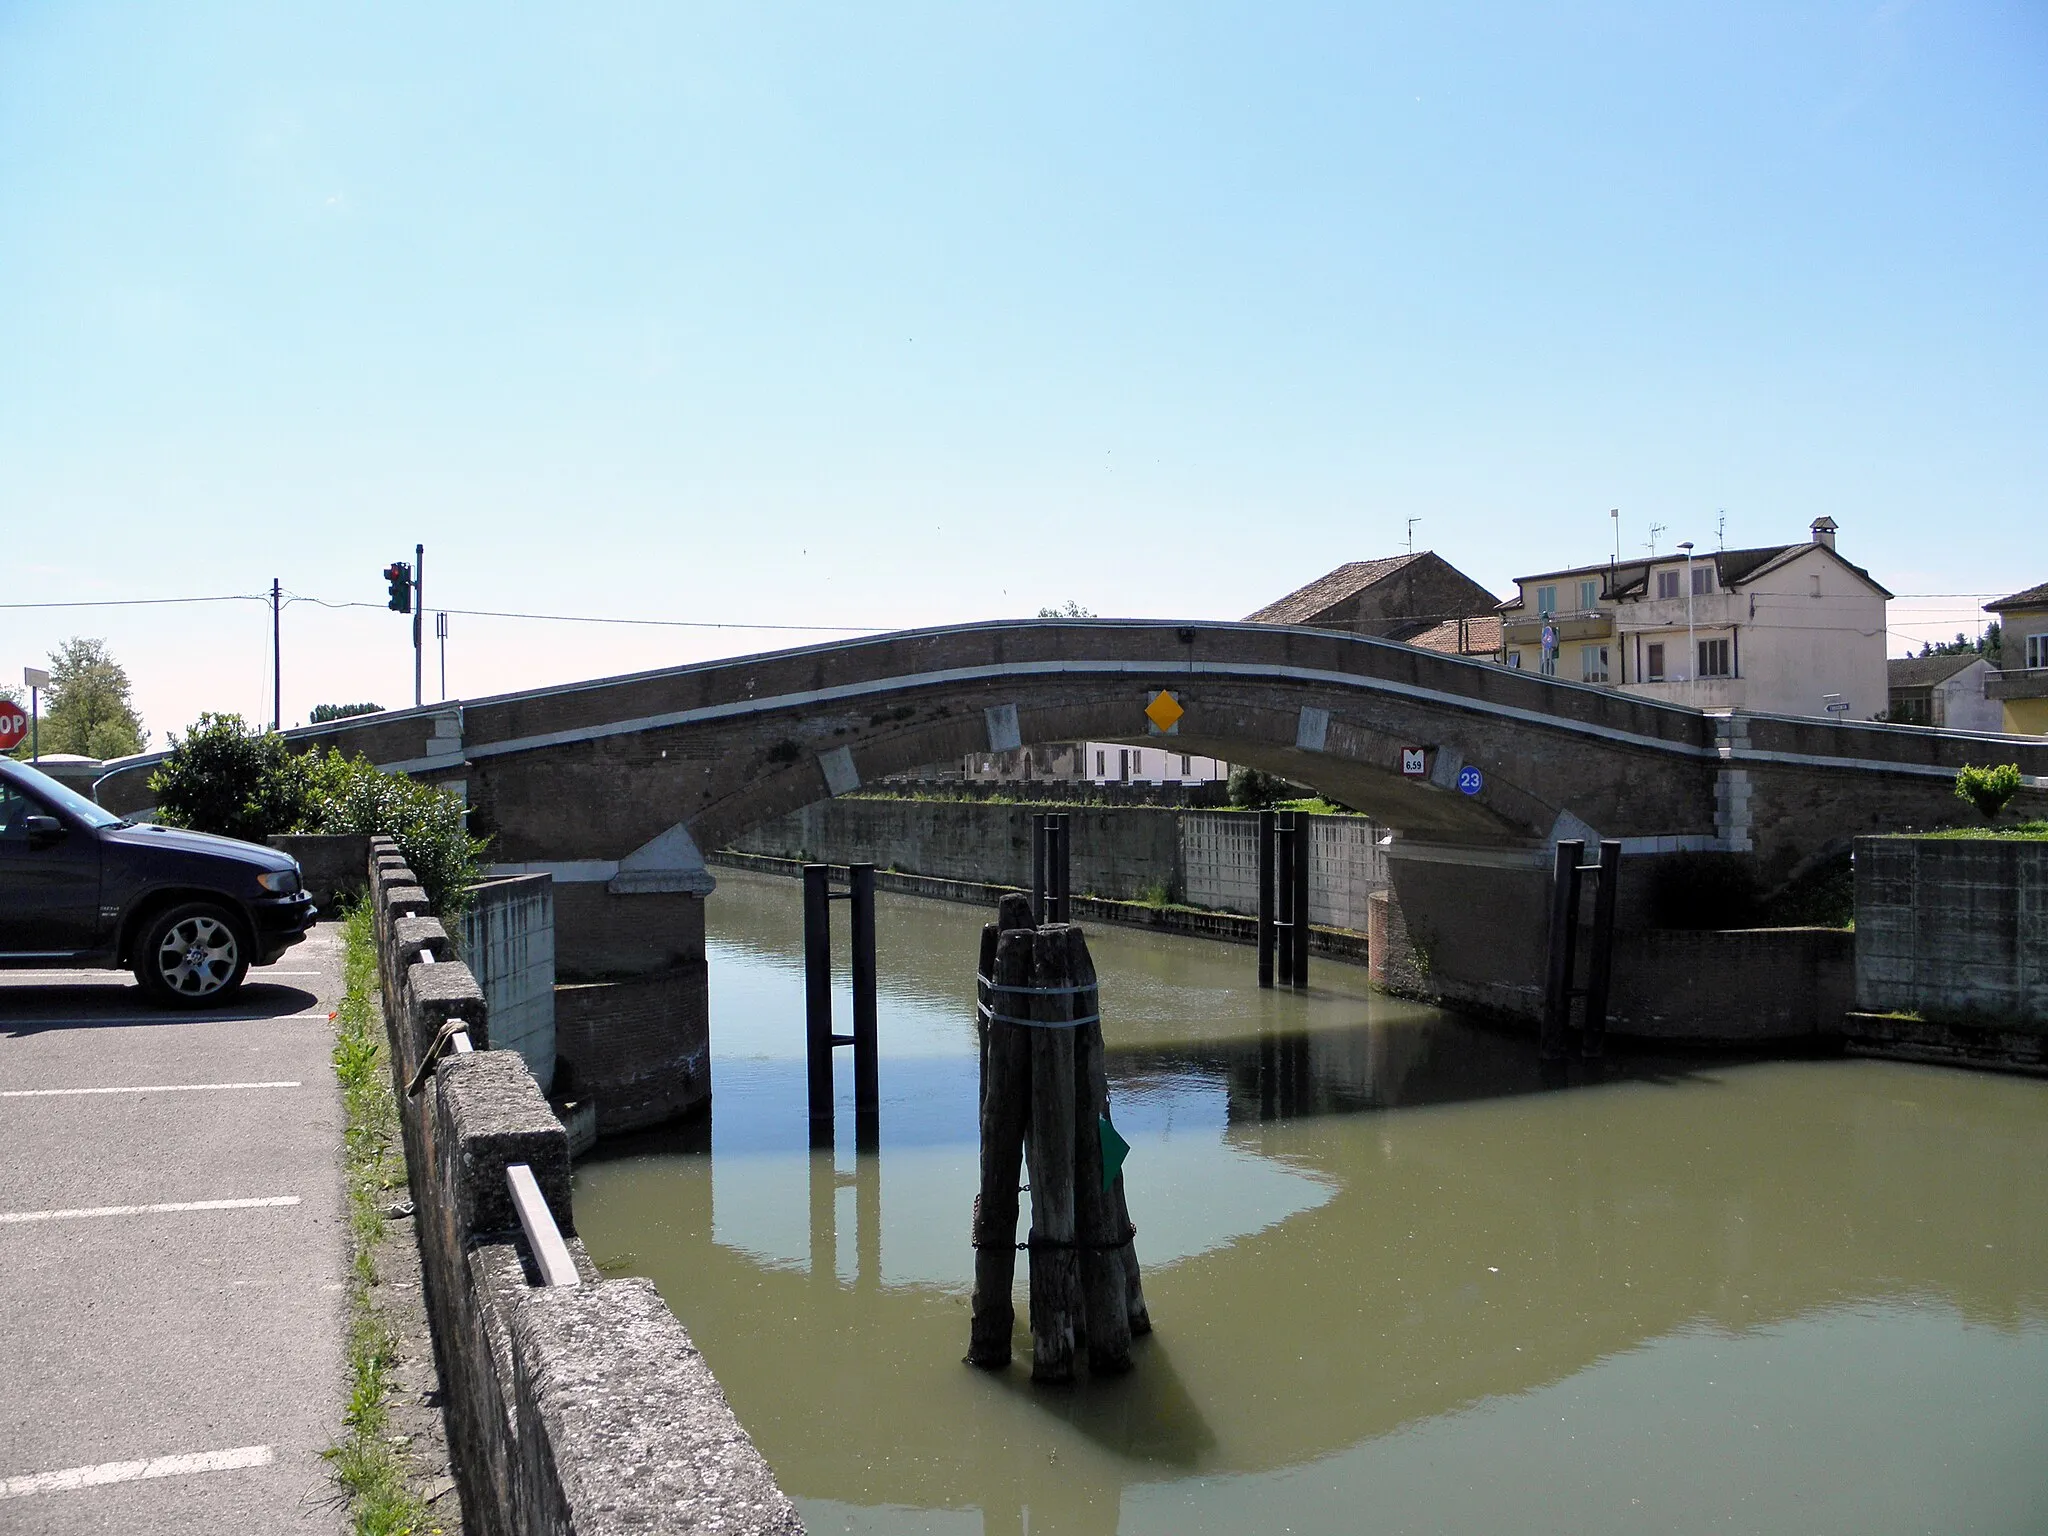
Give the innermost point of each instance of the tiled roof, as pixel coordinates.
(1736, 566)
(2033, 597)
(1482, 637)
(1926, 671)
(1325, 592)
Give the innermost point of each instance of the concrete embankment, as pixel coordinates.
(572, 1408)
(1952, 951)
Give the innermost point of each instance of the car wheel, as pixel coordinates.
(191, 956)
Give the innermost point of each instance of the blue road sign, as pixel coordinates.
(1471, 780)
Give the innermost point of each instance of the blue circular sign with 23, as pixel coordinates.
(1471, 780)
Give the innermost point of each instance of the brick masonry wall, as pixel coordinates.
(1953, 929)
(638, 1048)
(571, 1410)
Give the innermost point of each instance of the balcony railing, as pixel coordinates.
(2017, 683)
(1589, 624)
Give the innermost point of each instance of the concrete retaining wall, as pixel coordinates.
(331, 863)
(1953, 929)
(1205, 859)
(572, 1411)
(508, 941)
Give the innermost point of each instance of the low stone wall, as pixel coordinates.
(1954, 930)
(573, 1409)
(331, 863)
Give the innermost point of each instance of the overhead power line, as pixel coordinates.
(146, 602)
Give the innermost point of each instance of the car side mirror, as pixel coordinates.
(42, 830)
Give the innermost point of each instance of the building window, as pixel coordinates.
(1592, 663)
(1589, 596)
(1653, 667)
(1667, 583)
(1816, 586)
(1546, 599)
(1098, 765)
(1186, 765)
(2037, 651)
(1714, 659)
(1702, 579)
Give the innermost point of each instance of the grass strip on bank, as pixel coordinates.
(363, 1460)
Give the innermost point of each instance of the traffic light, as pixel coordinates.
(399, 575)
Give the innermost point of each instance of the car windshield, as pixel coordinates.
(70, 801)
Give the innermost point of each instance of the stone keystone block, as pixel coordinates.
(443, 991)
(490, 1114)
(631, 1430)
(412, 936)
(405, 901)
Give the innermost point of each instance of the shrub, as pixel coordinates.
(1253, 790)
(351, 795)
(1988, 788)
(225, 776)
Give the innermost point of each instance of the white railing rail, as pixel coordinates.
(543, 1237)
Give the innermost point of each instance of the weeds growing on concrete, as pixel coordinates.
(364, 1463)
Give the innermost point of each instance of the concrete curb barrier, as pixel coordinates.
(572, 1410)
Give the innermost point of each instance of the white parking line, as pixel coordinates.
(147, 1210)
(129, 1471)
(7, 1022)
(64, 1093)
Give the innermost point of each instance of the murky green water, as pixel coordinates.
(1399, 1283)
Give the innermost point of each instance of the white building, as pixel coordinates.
(1792, 629)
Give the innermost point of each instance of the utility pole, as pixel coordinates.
(276, 657)
(441, 634)
(419, 603)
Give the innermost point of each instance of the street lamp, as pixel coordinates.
(1692, 652)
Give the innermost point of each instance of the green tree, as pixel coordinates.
(87, 709)
(1988, 788)
(1067, 610)
(352, 795)
(225, 776)
(322, 713)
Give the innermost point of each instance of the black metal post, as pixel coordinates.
(1283, 896)
(1038, 853)
(867, 1091)
(1298, 934)
(1599, 964)
(419, 599)
(1059, 870)
(1564, 926)
(1265, 898)
(818, 997)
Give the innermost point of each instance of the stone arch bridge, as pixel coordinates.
(617, 784)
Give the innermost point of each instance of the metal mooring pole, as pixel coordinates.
(1059, 869)
(1599, 964)
(1265, 898)
(867, 1090)
(1283, 897)
(1298, 934)
(1564, 931)
(1038, 852)
(818, 997)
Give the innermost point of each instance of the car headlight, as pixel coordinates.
(280, 882)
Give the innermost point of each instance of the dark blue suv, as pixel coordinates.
(188, 912)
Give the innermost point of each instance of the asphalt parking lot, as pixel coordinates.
(173, 1249)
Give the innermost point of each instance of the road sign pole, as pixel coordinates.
(419, 600)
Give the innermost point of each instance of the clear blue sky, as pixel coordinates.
(900, 314)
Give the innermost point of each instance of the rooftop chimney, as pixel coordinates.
(1824, 531)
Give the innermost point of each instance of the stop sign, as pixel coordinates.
(13, 725)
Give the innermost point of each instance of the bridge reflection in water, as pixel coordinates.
(1399, 1284)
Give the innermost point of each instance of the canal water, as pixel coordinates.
(1400, 1283)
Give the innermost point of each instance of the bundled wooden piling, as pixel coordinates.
(1044, 1084)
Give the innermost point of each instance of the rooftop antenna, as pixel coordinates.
(1655, 529)
(1614, 513)
(1411, 533)
(1721, 531)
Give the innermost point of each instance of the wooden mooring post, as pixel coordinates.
(1045, 1103)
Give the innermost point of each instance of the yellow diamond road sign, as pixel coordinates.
(1164, 711)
